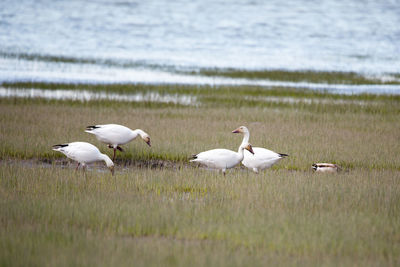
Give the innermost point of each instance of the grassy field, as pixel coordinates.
(159, 210)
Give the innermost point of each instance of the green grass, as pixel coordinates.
(352, 135)
(229, 97)
(174, 218)
(197, 90)
(328, 77)
(159, 210)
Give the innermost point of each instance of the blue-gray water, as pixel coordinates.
(67, 41)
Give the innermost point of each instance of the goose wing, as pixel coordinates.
(79, 151)
(216, 158)
(262, 158)
(111, 133)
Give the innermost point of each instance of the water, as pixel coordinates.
(85, 95)
(37, 36)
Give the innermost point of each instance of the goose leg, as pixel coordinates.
(114, 154)
(77, 166)
(111, 146)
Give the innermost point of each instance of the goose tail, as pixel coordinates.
(90, 128)
(58, 147)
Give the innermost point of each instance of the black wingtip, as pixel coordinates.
(193, 157)
(91, 127)
(60, 145)
(283, 155)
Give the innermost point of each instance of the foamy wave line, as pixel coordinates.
(84, 95)
(94, 74)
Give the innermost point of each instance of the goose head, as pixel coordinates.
(146, 138)
(109, 163)
(245, 132)
(111, 168)
(249, 148)
(241, 129)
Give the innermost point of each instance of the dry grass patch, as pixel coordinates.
(59, 216)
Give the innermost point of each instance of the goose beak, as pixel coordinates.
(112, 170)
(250, 149)
(238, 130)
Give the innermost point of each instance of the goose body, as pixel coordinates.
(84, 153)
(115, 135)
(261, 159)
(223, 159)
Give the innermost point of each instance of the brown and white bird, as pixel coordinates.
(326, 167)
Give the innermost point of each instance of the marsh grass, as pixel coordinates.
(200, 90)
(328, 77)
(175, 218)
(182, 215)
(221, 97)
(363, 138)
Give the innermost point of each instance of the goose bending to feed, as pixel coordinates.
(222, 159)
(115, 135)
(262, 159)
(84, 153)
(326, 167)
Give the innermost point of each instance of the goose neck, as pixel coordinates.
(241, 152)
(137, 132)
(107, 160)
(246, 137)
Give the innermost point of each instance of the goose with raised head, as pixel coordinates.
(84, 153)
(262, 158)
(116, 135)
(223, 159)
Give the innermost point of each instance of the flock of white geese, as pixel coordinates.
(114, 135)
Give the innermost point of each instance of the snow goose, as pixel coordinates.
(326, 167)
(222, 159)
(115, 135)
(262, 159)
(84, 153)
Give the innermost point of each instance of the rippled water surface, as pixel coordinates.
(54, 40)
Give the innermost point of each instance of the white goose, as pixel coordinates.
(222, 159)
(115, 135)
(84, 153)
(262, 158)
